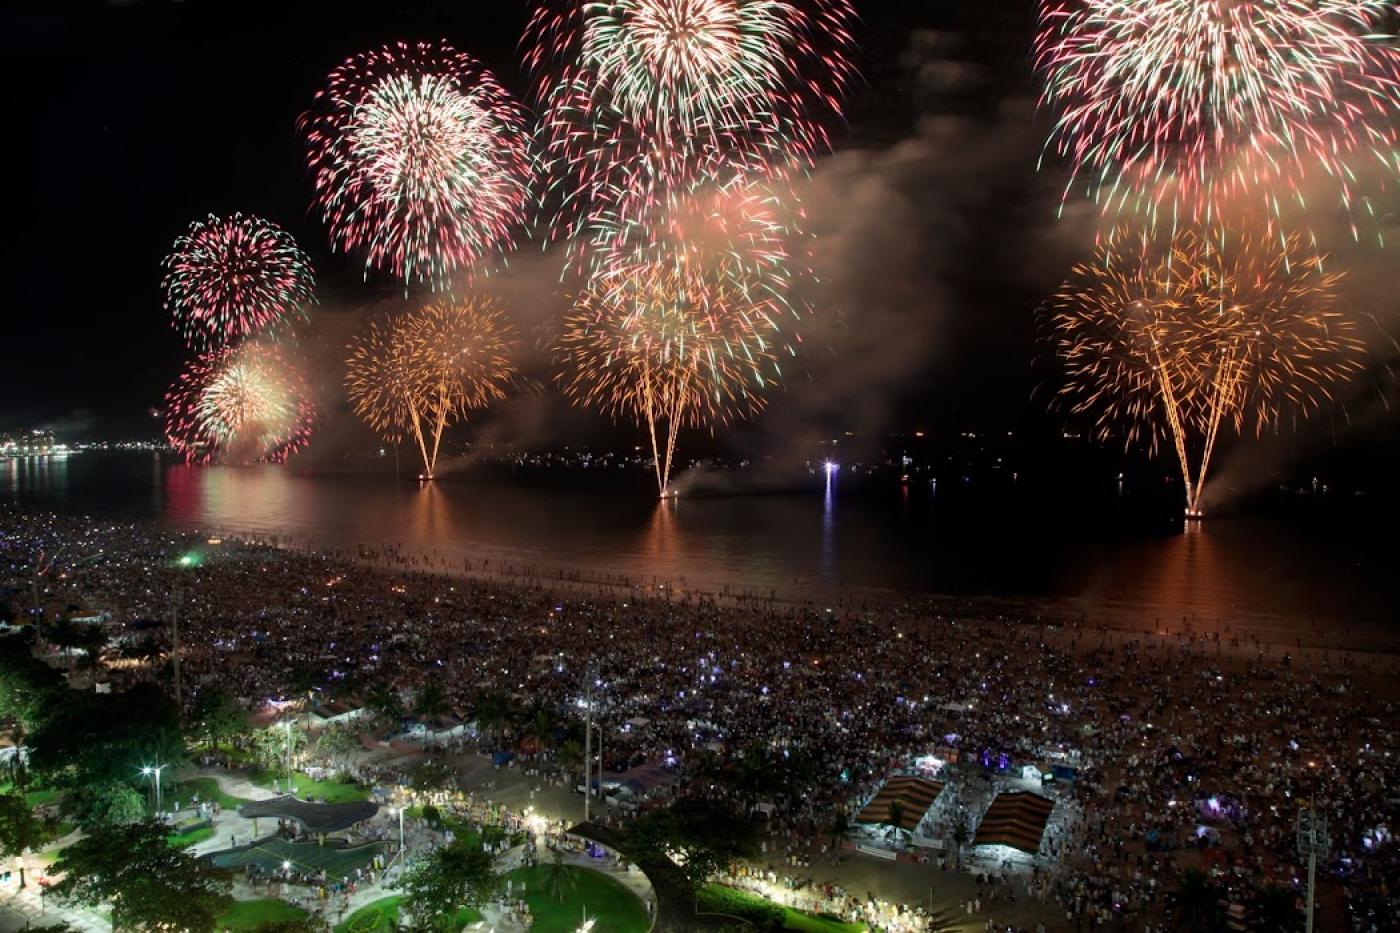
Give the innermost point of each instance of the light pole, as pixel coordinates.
(154, 771)
(1312, 842)
(402, 854)
(287, 726)
(590, 679)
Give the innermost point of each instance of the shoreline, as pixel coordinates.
(1248, 636)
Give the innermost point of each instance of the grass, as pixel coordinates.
(183, 792)
(249, 915)
(193, 837)
(720, 899)
(383, 914)
(305, 788)
(615, 908)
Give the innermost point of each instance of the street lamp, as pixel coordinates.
(287, 726)
(1313, 842)
(149, 771)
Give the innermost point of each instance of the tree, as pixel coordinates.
(87, 738)
(961, 836)
(492, 711)
(92, 641)
(895, 819)
(840, 829)
(386, 703)
(431, 701)
(217, 718)
(1275, 908)
(432, 775)
(1196, 903)
(439, 883)
(705, 833)
(19, 830)
(150, 884)
(558, 880)
(337, 742)
(106, 803)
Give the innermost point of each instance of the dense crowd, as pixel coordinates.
(1191, 749)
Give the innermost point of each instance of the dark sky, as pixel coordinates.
(130, 119)
(139, 117)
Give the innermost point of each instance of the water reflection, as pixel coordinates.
(919, 541)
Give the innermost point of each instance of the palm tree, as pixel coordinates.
(840, 829)
(431, 701)
(961, 836)
(895, 818)
(492, 711)
(559, 880)
(1275, 908)
(538, 722)
(1196, 902)
(386, 703)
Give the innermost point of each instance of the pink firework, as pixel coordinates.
(241, 405)
(420, 160)
(232, 277)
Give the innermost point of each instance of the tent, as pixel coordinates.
(913, 795)
(1016, 820)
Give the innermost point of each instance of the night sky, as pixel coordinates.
(128, 120)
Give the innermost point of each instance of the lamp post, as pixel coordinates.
(1312, 842)
(287, 727)
(154, 771)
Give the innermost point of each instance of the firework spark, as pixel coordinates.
(245, 404)
(1174, 344)
(1178, 107)
(422, 371)
(684, 314)
(229, 278)
(420, 160)
(659, 89)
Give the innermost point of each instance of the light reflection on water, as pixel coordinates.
(813, 545)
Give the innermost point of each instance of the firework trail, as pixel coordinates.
(420, 160)
(423, 371)
(659, 90)
(1176, 343)
(229, 278)
(684, 314)
(246, 404)
(1178, 110)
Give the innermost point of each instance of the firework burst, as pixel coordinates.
(1179, 107)
(245, 404)
(420, 372)
(1173, 344)
(420, 160)
(683, 317)
(229, 278)
(654, 92)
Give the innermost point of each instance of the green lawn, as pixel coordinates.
(183, 793)
(186, 839)
(324, 791)
(719, 899)
(208, 789)
(381, 915)
(615, 908)
(249, 915)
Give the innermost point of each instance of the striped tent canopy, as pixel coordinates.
(914, 795)
(1016, 820)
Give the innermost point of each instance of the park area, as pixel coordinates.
(383, 915)
(307, 858)
(559, 903)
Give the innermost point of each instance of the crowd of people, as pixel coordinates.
(1192, 748)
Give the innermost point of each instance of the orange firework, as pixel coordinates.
(681, 319)
(422, 371)
(1176, 342)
